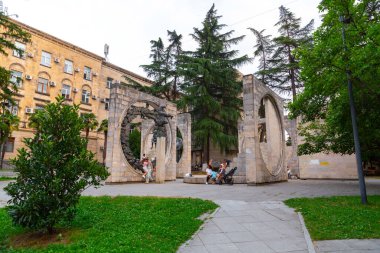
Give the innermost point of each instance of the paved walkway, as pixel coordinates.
(250, 218)
(348, 246)
(240, 226)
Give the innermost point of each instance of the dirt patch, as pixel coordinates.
(42, 239)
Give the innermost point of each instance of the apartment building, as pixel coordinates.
(50, 67)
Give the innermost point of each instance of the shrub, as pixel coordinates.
(53, 169)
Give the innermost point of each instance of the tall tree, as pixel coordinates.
(103, 127)
(211, 86)
(174, 51)
(89, 123)
(10, 32)
(8, 124)
(284, 70)
(163, 69)
(324, 103)
(264, 50)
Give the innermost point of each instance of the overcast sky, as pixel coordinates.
(128, 26)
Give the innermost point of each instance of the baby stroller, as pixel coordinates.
(228, 178)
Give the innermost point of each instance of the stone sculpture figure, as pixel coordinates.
(159, 116)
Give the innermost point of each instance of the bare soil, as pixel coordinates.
(41, 239)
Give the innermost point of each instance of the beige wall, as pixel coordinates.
(28, 96)
(328, 166)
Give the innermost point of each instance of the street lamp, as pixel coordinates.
(358, 154)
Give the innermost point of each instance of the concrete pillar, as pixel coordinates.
(160, 162)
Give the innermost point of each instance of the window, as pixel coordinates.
(68, 67)
(109, 82)
(42, 85)
(9, 145)
(21, 47)
(12, 108)
(16, 78)
(107, 104)
(87, 73)
(85, 96)
(39, 107)
(66, 91)
(46, 59)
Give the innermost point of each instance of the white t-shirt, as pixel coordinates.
(208, 171)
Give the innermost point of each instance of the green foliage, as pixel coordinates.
(89, 122)
(8, 123)
(103, 127)
(163, 69)
(10, 32)
(264, 49)
(124, 224)
(135, 142)
(324, 103)
(332, 218)
(53, 169)
(6, 178)
(212, 86)
(279, 67)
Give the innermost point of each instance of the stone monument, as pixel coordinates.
(125, 105)
(261, 157)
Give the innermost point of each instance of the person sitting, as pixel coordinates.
(209, 174)
(214, 176)
(222, 172)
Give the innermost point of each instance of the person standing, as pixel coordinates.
(149, 172)
(145, 163)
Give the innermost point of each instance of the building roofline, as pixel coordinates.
(108, 64)
(79, 49)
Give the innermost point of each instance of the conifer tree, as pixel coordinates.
(264, 50)
(163, 69)
(211, 85)
(284, 69)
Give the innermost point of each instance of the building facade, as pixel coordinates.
(50, 67)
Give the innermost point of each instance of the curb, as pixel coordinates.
(310, 245)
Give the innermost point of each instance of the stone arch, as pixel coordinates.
(272, 148)
(17, 67)
(261, 157)
(87, 87)
(44, 74)
(184, 126)
(67, 81)
(121, 100)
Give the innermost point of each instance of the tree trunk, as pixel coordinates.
(2, 153)
(87, 133)
(50, 230)
(207, 149)
(105, 147)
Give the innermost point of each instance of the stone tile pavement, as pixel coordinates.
(348, 246)
(240, 226)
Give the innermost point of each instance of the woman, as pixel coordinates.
(145, 163)
(149, 172)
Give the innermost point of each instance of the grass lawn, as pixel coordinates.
(339, 217)
(121, 224)
(6, 178)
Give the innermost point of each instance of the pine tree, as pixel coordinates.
(284, 70)
(264, 50)
(163, 69)
(174, 52)
(211, 87)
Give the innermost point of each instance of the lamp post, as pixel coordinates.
(358, 154)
